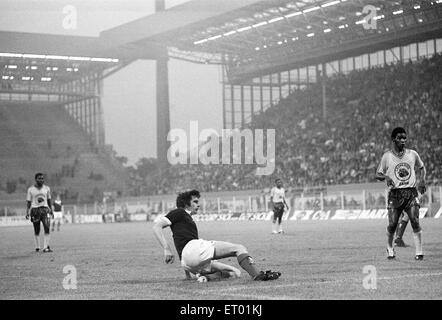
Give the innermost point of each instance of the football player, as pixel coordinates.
(397, 169)
(58, 213)
(277, 198)
(199, 257)
(38, 200)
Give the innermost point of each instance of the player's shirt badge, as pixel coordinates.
(402, 171)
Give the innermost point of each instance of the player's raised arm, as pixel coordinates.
(158, 225)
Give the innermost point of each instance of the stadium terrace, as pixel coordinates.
(251, 148)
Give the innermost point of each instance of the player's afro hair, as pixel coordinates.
(38, 174)
(396, 131)
(184, 198)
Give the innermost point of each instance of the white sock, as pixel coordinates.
(418, 242)
(47, 237)
(390, 237)
(37, 241)
(273, 227)
(279, 227)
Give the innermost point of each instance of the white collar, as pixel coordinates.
(188, 211)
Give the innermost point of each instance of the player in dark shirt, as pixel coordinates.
(58, 213)
(198, 256)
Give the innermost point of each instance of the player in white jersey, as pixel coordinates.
(397, 169)
(277, 198)
(38, 200)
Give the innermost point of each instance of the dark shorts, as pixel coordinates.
(402, 199)
(278, 209)
(40, 214)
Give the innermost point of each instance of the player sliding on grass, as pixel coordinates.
(397, 168)
(199, 257)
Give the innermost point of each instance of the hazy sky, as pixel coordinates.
(128, 96)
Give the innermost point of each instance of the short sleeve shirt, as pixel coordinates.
(39, 197)
(183, 228)
(401, 169)
(278, 194)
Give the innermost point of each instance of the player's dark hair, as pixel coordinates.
(396, 131)
(38, 174)
(184, 198)
(277, 179)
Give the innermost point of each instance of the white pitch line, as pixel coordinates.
(219, 290)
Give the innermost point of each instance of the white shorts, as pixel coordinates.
(197, 256)
(58, 214)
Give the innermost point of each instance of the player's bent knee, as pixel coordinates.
(240, 249)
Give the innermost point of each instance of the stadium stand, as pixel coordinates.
(344, 148)
(41, 137)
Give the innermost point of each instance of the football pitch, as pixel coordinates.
(330, 260)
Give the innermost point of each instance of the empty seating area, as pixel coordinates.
(41, 137)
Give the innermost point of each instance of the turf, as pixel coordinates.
(318, 260)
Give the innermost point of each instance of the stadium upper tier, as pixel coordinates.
(37, 137)
(346, 147)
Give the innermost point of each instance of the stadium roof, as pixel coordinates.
(256, 37)
(35, 43)
(265, 36)
(174, 25)
(252, 37)
(63, 45)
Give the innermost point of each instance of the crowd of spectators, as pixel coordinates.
(345, 147)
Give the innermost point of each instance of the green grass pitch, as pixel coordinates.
(318, 260)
